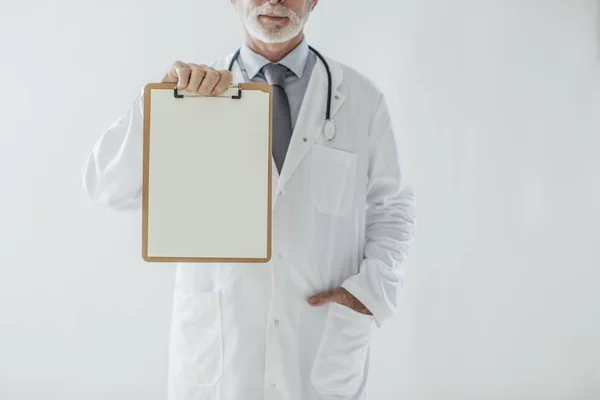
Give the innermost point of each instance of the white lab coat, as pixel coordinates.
(343, 215)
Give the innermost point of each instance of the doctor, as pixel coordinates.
(298, 327)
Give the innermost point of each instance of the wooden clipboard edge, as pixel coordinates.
(263, 87)
(206, 259)
(146, 162)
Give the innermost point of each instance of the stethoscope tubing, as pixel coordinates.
(329, 79)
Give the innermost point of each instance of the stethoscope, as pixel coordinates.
(329, 127)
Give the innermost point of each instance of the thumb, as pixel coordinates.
(170, 78)
(322, 298)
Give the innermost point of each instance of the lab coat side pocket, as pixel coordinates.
(196, 355)
(340, 364)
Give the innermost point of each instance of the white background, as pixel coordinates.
(497, 105)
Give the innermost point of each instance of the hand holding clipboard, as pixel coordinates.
(201, 79)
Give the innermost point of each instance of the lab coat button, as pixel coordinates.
(276, 322)
(273, 385)
(280, 256)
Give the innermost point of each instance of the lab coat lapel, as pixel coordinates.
(337, 76)
(311, 118)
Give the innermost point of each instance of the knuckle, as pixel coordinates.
(226, 76)
(180, 65)
(212, 74)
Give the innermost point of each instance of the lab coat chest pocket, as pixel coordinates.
(340, 364)
(197, 343)
(332, 180)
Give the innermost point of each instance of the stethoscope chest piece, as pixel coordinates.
(329, 130)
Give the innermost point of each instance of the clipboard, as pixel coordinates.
(207, 175)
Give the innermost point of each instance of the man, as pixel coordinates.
(297, 327)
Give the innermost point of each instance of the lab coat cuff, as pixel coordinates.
(379, 311)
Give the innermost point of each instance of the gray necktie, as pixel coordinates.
(282, 120)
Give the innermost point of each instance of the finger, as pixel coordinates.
(211, 78)
(224, 81)
(197, 75)
(171, 75)
(181, 72)
(317, 300)
(337, 295)
(322, 298)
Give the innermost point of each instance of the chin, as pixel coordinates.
(273, 34)
(271, 39)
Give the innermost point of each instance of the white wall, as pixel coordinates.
(497, 105)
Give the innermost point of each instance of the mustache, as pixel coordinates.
(277, 10)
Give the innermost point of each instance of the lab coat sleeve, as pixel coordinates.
(390, 222)
(112, 173)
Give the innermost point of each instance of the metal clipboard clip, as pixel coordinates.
(233, 92)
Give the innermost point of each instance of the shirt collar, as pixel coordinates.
(295, 60)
